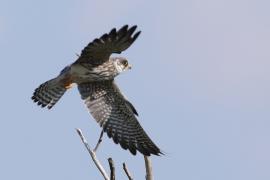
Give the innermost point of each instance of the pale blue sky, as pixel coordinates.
(200, 81)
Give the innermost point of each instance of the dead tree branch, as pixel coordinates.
(99, 141)
(112, 168)
(127, 172)
(148, 164)
(93, 154)
(148, 168)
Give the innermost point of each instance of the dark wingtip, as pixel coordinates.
(123, 29)
(134, 26)
(132, 29)
(133, 151)
(136, 35)
(125, 26)
(156, 154)
(113, 31)
(151, 151)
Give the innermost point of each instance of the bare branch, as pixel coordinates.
(127, 172)
(148, 164)
(99, 141)
(111, 163)
(148, 168)
(93, 155)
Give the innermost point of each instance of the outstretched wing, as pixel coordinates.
(111, 110)
(99, 50)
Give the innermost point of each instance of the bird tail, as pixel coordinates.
(48, 93)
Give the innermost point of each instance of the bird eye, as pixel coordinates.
(125, 62)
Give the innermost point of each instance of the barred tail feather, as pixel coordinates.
(48, 93)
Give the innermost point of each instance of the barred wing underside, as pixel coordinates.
(117, 116)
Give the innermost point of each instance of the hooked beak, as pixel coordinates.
(129, 66)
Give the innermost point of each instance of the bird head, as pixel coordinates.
(121, 64)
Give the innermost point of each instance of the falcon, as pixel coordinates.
(94, 72)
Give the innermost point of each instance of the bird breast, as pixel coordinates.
(81, 73)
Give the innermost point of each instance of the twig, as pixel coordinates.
(99, 141)
(112, 168)
(148, 168)
(93, 155)
(127, 172)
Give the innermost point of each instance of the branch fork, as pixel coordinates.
(148, 164)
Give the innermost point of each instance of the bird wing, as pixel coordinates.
(99, 50)
(111, 110)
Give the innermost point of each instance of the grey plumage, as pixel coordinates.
(117, 117)
(48, 94)
(99, 51)
(94, 72)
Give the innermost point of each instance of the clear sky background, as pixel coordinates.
(200, 82)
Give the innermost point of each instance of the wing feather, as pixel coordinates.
(99, 50)
(111, 110)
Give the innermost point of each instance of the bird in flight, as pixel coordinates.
(94, 72)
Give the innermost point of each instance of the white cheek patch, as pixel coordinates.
(118, 68)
